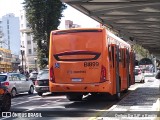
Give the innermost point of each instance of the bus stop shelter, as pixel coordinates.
(137, 21)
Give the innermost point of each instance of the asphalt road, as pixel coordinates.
(52, 107)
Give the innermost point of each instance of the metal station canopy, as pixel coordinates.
(137, 20)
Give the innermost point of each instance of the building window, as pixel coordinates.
(29, 51)
(21, 17)
(7, 21)
(22, 43)
(8, 26)
(28, 34)
(28, 42)
(34, 49)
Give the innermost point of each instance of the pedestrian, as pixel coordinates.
(27, 74)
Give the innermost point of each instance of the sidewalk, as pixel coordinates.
(142, 103)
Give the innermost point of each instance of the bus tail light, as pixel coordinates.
(103, 74)
(51, 74)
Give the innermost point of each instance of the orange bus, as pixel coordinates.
(89, 60)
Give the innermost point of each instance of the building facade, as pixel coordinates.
(10, 33)
(5, 60)
(27, 45)
(69, 24)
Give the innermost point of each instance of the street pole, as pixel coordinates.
(35, 63)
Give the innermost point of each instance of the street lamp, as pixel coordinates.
(22, 54)
(35, 59)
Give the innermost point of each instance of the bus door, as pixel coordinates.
(114, 67)
(123, 74)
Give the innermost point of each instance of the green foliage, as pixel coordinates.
(140, 50)
(43, 16)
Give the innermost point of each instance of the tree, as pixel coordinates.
(43, 16)
(140, 50)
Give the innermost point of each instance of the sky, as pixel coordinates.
(14, 6)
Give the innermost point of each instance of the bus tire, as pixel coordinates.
(129, 80)
(125, 91)
(116, 97)
(74, 97)
(118, 94)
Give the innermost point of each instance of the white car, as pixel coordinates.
(16, 83)
(139, 75)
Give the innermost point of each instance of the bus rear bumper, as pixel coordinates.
(96, 87)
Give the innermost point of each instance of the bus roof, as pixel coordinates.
(74, 30)
(117, 38)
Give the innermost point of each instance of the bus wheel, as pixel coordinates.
(94, 94)
(129, 80)
(125, 91)
(118, 96)
(74, 97)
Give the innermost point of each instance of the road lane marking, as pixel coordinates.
(36, 98)
(24, 102)
(41, 105)
(32, 108)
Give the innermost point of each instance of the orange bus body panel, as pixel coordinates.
(79, 61)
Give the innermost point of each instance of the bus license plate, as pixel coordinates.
(76, 79)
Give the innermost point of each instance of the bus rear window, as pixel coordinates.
(77, 56)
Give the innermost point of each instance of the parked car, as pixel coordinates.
(139, 75)
(42, 82)
(16, 83)
(5, 98)
(149, 71)
(33, 76)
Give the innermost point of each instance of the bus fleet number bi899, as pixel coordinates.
(91, 64)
